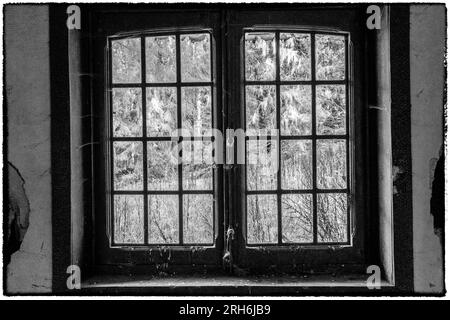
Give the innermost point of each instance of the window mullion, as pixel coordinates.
(180, 166)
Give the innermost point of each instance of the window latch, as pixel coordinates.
(230, 234)
(228, 257)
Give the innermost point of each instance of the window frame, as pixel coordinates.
(232, 206)
(301, 258)
(146, 258)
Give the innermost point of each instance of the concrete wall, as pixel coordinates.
(28, 104)
(427, 88)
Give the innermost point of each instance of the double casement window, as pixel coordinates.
(290, 81)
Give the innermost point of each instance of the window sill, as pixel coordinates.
(227, 285)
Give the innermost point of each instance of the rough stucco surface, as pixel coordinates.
(28, 109)
(427, 88)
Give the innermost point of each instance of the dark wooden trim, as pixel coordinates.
(401, 147)
(104, 25)
(352, 29)
(60, 146)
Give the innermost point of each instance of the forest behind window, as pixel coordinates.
(296, 82)
(160, 84)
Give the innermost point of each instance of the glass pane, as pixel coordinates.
(198, 225)
(197, 165)
(128, 219)
(260, 103)
(330, 109)
(195, 58)
(163, 219)
(128, 166)
(126, 60)
(295, 56)
(162, 168)
(331, 164)
(260, 53)
(295, 113)
(332, 217)
(160, 59)
(196, 109)
(262, 222)
(296, 164)
(262, 164)
(297, 218)
(127, 112)
(330, 57)
(161, 111)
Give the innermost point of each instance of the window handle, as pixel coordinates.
(228, 257)
(230, 234)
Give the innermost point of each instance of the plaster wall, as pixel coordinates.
(428, 33)
(27, 75)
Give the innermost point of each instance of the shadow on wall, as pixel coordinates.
(18, 213)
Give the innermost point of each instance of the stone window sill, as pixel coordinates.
(226, 285)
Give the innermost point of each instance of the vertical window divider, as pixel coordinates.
(144, 134)
(278, 106)
(180, 140)
(314, 137)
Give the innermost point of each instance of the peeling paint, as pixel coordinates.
(427, 52)
(437, 201)
(19, 212)
(27, 104)
(396, 172)
(433, 163)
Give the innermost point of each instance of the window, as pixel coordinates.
(160, 83)
(297, 83)
(290, 80)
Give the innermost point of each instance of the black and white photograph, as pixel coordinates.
(291, 150)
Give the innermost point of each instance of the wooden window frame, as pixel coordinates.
(316, 255)
(63, 240)
(150, 258)
(308, 258)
